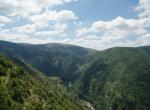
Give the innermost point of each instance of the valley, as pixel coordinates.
(112, 79)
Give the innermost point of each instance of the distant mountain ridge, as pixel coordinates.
(47, 58)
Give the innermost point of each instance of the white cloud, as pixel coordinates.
(4, 20)
(118, 26)
(50, 33)
(53, 26)
(58, 29)
(53, 16)
(25, 8)
(90, 41)
(59, 26)
(6, 34)
(117, 32)
(143, 40)
(30, 28)
(106, 42)
(81, 31)
(143, 8)
(42, 21)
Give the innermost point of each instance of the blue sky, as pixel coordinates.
(98, 24)
(89, 10)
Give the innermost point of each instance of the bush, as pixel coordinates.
(3, 71)
(16, 72)
(19, 90)
(4, 100)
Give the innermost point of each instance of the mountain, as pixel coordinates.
(113, 79)
(117, 79)
(52, 59)
(20, 90)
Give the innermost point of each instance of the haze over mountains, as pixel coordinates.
(113, 79)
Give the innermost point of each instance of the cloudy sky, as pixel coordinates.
(97, 24)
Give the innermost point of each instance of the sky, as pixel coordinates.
(97, 24)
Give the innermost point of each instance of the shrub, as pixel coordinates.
(3, 71)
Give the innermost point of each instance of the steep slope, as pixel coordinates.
(113, 79)
(20, 90)
(117, 79)
(53, 59)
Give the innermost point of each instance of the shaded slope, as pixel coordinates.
(53, 59)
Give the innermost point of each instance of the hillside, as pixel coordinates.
(117, 79)
(20, 90)
(113, 79)
(52, 59)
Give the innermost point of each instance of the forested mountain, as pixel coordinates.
(114, 79)
(117, 79)
(20, 90)
(52, 59)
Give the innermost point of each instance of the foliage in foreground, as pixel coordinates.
(20, 90)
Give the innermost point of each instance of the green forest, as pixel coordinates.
(68, 77)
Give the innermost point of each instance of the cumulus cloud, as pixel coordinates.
(59, 26)
(143, 8)
(4, 20)
(143, 40)
(46, 25)
(119, 31)
(42, 21)
(25, 8)
(58, 29)
(53, 16)
(50, 33)
(118, 26)
(7, 34)
(30, 28)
